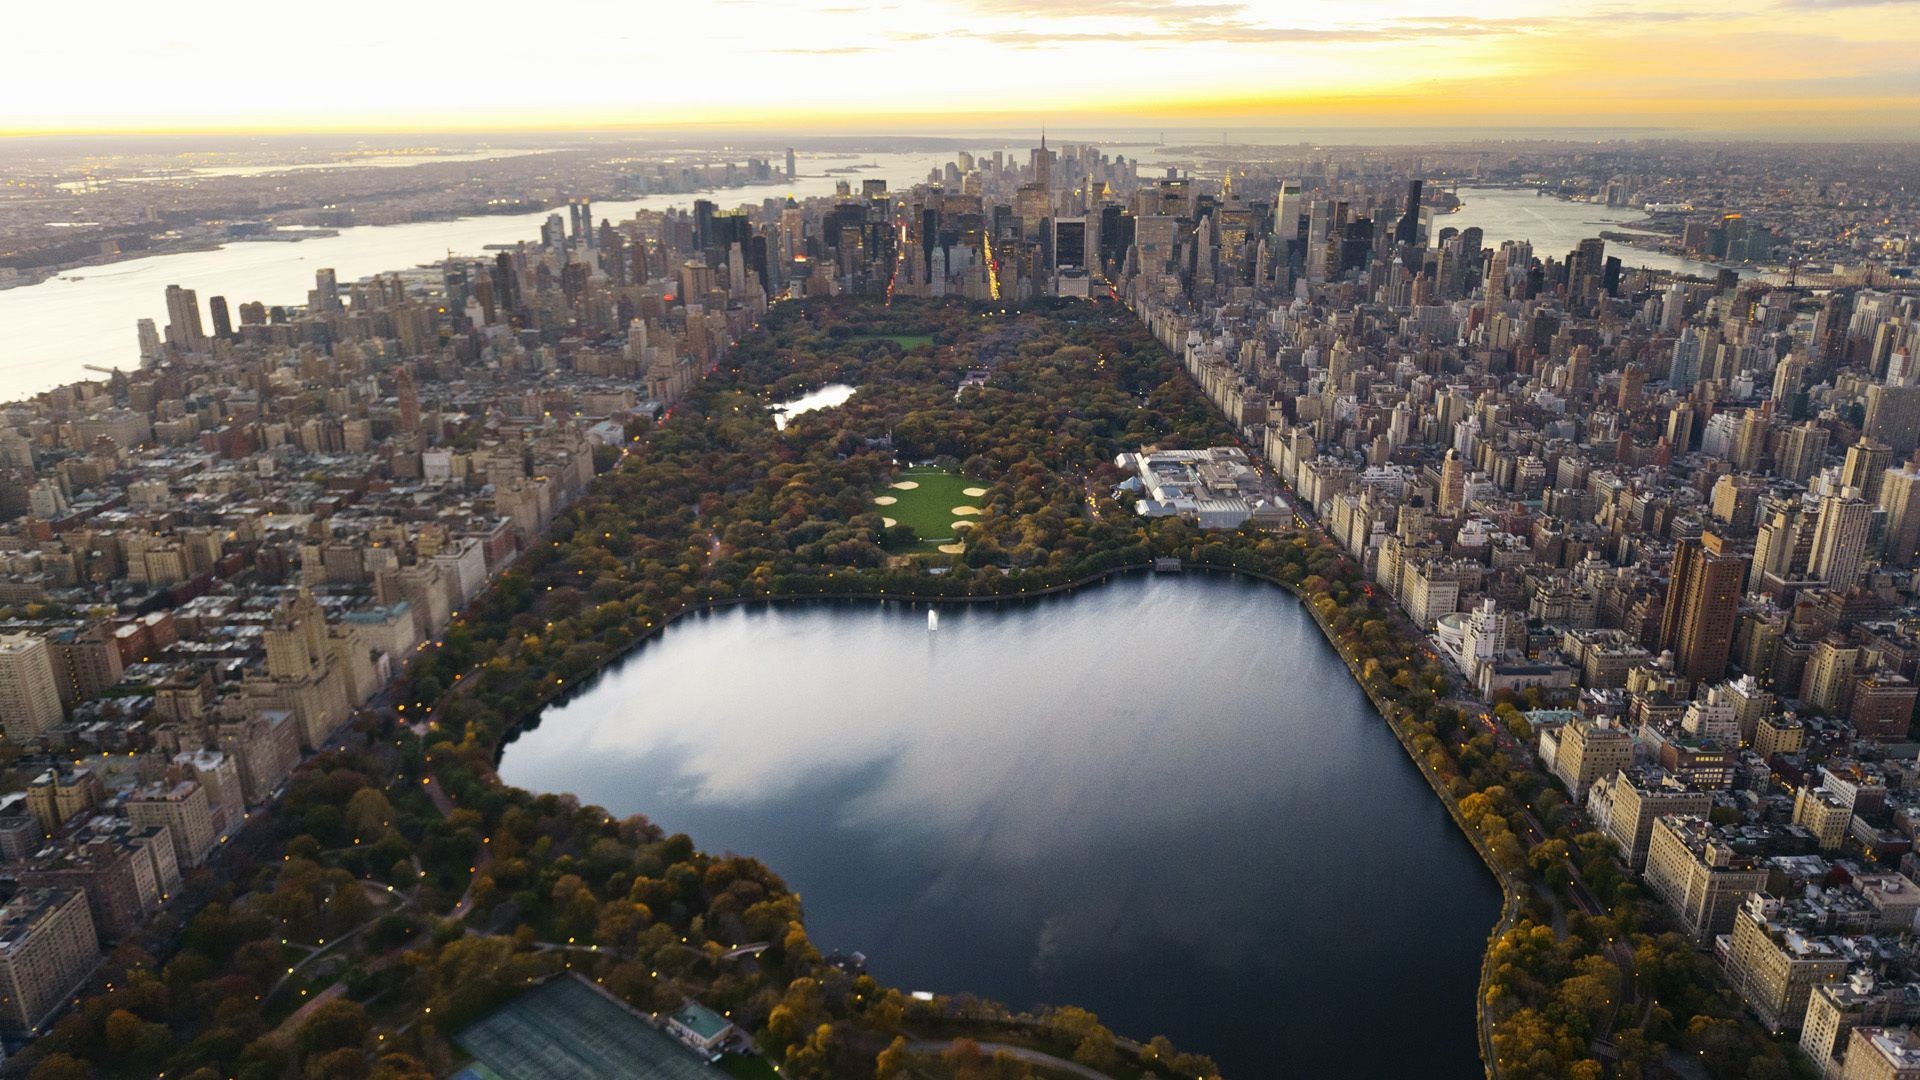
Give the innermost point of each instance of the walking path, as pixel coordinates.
(1031, 1057)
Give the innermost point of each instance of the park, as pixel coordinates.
(936, 503)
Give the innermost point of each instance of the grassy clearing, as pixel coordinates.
(907, 342)
(748, 1068)
(929, 506)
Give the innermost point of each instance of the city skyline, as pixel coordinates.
(1788, 69)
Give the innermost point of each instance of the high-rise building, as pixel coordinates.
(1900, 497)
(115, 867)
(47, 949)
(1702, 607)
(1587, 752)
(1694, 868)
(1840, 540)
(57, 795)
(326, 290)
(1882, 1053)
(1866, 466)
(183, 320)
(1775, 965)
(1633, 799)
(1041, 163)
(150, 345)
(580, 220)
(1453, 483)
(29, 693)
(1893, 417)
(1408, 230)
(791, 170)
(184, 809)
(222, 320)
(1802, 452)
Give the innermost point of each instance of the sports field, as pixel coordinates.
(938, 504)
(565, 1030)
(907, 342)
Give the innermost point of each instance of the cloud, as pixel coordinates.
(1234, 34)
(1152, 22)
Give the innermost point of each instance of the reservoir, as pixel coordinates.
(1162, 798)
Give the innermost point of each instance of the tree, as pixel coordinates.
(336, 1025)
(368, 815)
(61, 1067)
(893, 1060)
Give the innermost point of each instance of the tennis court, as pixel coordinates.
(567, 1030)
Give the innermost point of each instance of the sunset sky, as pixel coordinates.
(1792, 66)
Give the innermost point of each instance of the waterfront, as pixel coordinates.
(1161, 799)
(1556, 226)
(50, 331)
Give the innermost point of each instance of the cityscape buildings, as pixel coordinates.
(1652, 498)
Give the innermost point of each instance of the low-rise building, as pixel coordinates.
(700, 1029)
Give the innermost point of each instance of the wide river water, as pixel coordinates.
(1163, 799)
(1555, 226)
(50, 331)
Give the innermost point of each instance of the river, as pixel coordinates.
(1163, 799)
(49, 331)
(1556, 226)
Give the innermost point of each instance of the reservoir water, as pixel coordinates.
(826, 397)
(1163, 799)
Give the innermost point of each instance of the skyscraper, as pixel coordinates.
(183, 320)
(1893, 417)
(1042, 165)
(326, 289)
(791, 171)
(1840, 539)
(150, 347)
(1408, 231)
(222, 321)
(1703, 603)
(580, 220)
(1866, 467)
(1802, 451)
(29, 696)
(1900, 495)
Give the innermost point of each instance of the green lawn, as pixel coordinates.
(748, 1068)
(908, 342)
(928, 507)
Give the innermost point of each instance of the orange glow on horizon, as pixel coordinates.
(828, 67)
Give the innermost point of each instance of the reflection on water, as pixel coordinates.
(49, 331)
(1164, 800)
(1556, 226)
(824, 398)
